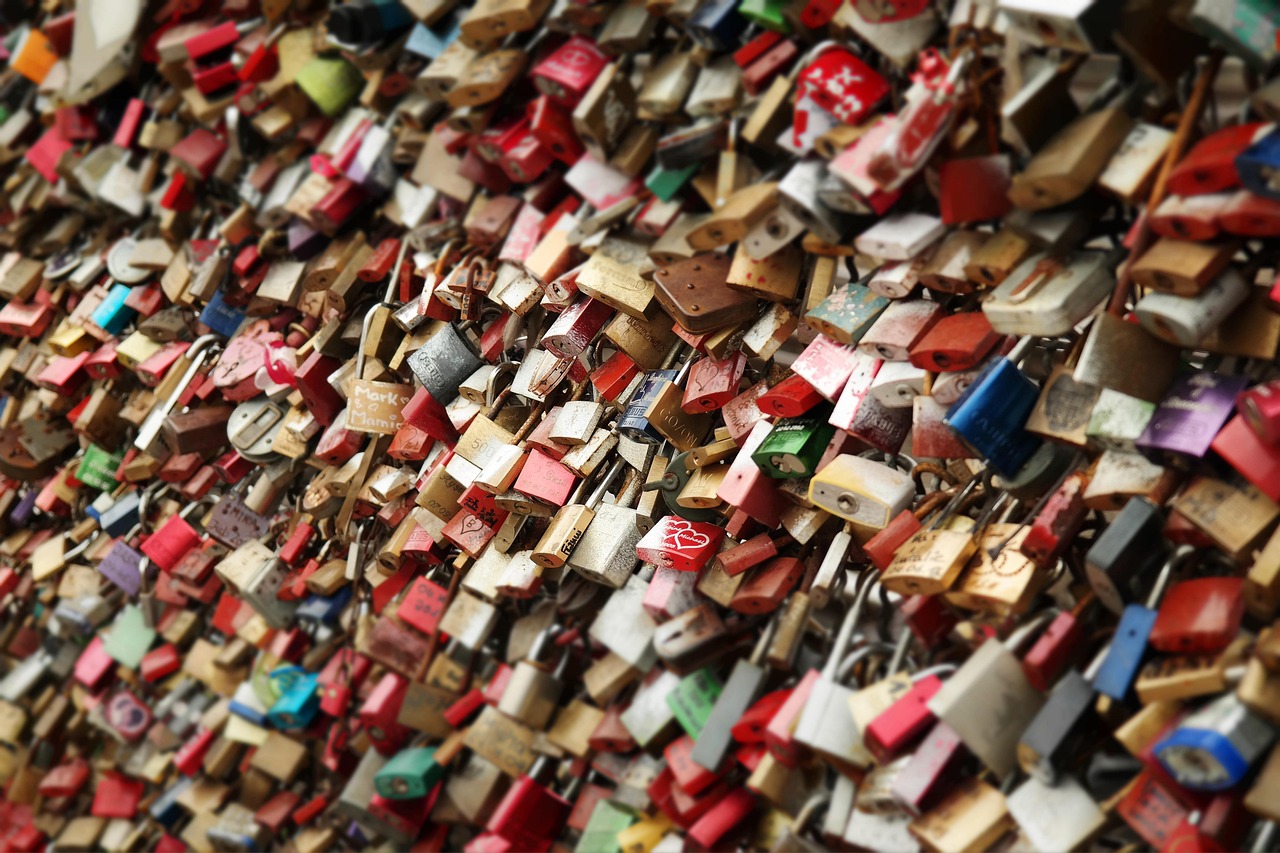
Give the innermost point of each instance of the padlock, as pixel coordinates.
(989, 415)
(1214, 747)
(824, 724)
(1186, 321)
(1118, 669)
(861, 491)
(988, 700)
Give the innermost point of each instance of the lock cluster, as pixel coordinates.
(639, 425)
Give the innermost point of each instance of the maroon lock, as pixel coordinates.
(931, 771)
(576, 327)
(552, 125)
(312, 376)
(713, 382)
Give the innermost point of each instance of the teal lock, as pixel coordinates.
(98, 468)
(410, 774)
(111, 315)
(298, 704)
(665, 183)
(794, 446)
(693, 699)
(766, 13)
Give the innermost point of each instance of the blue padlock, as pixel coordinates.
(1128, 649)
(633, 424)
(111, 315)
(220, 317)
(1259, 166)
(119, 518)
(324, 609)
(430, 42)
(716, 24)
(990, 414)
(1214, 747)
(246, 703)
(165, 809)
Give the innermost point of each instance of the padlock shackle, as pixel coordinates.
(198, 352)
(1026, 631)
(847, 627)
(364, 334)
(598, 493)
(950, 507)
(1179, 556)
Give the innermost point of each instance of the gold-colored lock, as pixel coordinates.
(970, 818)
(486, 78)
(666, 84)
(1067, 166)
(444, 72)
(930, 562)
(1005, 583)
(605, 111)
(1181, 267)
(1236, 519)
(490, 20)
(615, 275)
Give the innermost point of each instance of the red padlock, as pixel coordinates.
(569, 71)
(172, 541)
(843, 85)
(790, 398)
(380, 712)
(897, 729)
(713, 382)
(1210, 166)
(530, 815)
(1260, 407)
(676, 543)
(957, 342)
(1199, 616)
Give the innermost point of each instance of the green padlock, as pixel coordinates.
(693, 699)
(98, 468)
(665, 183)
(331, 83)
(412, 773)
(794, 446)
(600, 835)
(767, 14)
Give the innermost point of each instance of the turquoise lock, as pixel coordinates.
(410, 774)
(299, 701)
(111, 315)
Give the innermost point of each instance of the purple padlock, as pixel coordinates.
(20, 515)
(1190, 415)
(123, 567)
